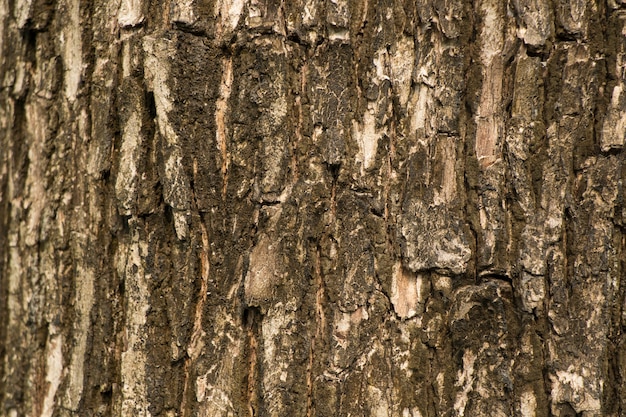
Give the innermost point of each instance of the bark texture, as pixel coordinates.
(312, 208)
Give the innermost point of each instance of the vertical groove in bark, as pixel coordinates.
(254, 207)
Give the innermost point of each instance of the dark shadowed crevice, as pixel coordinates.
(251, 318)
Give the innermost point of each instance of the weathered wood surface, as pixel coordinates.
(309, 208)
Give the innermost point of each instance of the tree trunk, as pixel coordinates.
(312, 208)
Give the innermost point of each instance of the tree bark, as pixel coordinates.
(309, 208)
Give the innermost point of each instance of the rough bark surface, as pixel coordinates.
(312, 208)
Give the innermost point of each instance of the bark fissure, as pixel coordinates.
(252, 317)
